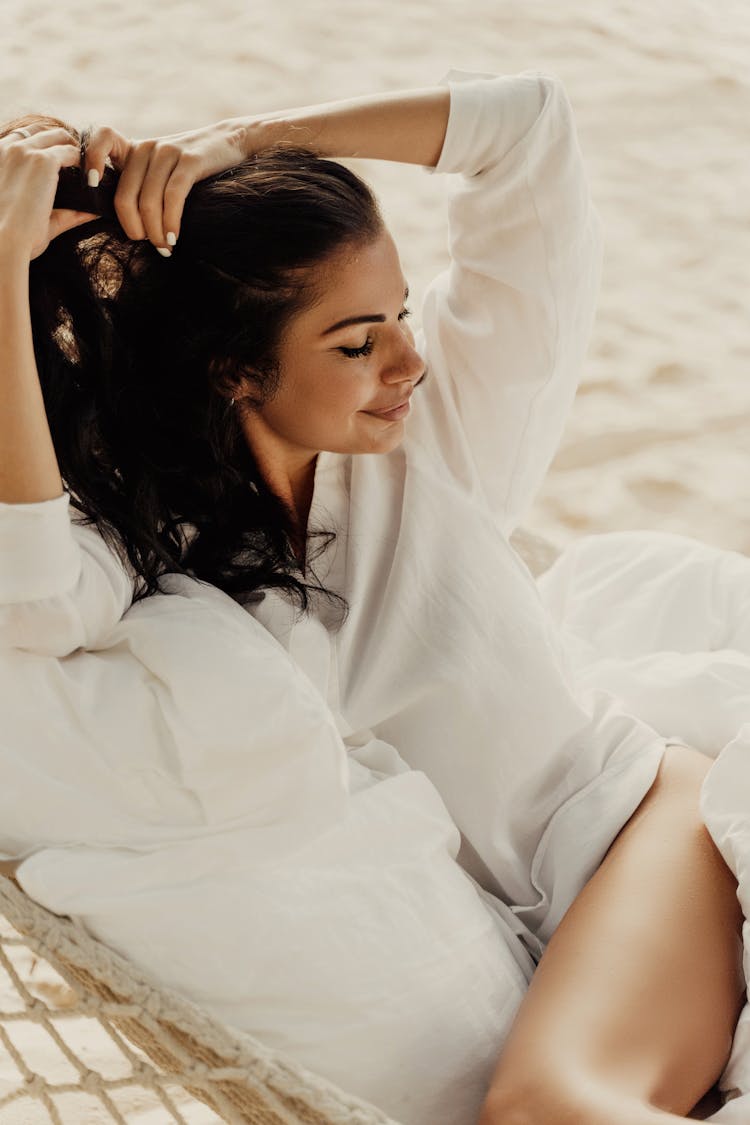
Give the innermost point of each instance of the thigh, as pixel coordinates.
(641, 985)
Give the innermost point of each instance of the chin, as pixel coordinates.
(389, 441)
(377, 435)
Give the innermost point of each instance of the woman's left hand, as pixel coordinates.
(157, 174)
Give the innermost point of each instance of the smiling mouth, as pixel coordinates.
(390, 409)
(402, 408)
(395, 412)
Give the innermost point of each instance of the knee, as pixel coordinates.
(513, 1104)
(545, 1101)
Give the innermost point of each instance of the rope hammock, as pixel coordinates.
(167, 1053)
(240, 1079)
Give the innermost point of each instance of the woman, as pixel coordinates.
(211, 409)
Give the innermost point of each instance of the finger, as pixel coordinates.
(67, 156)
(46, 137)
(164, 159)
(101, 144)
(21, 131)
(129, 190)
(61, 220)
(184, 176)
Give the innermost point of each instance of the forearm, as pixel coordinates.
(28, 464)
(407, 126)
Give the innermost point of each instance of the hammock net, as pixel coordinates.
(165, 1059)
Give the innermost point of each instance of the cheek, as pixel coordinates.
(323, 402)
(343, 393)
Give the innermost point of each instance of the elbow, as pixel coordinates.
(59, 625)
(41, 627)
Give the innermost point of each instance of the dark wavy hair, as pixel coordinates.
(138, 355)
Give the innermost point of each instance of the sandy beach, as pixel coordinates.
(659, 435)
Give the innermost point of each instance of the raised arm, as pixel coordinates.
(407, 126)
(54, 585)
(157, 174)
(29, 166)
(507, 325)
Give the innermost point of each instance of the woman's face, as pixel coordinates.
(341, 361)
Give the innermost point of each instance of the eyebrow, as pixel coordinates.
(366, 318)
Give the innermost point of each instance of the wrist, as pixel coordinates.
(259, 133)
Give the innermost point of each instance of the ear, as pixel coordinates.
(223, 375)
(232, 381)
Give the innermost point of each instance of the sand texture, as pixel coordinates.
(660, 431)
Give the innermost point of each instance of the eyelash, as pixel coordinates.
(358, 353)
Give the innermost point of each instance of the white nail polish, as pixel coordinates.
(93, 178)
(171, 237)
(164, 252)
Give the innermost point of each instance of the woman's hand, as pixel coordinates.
(29, 168)
(157, 174)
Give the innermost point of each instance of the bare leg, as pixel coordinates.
(630, 1015)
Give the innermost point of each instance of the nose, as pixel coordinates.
(405, 364)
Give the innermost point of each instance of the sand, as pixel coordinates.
(659, 435)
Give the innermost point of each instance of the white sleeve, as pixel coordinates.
(61, 587)
(506, 327)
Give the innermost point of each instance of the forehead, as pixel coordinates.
(367, 278)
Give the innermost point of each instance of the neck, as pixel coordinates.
(288, 472)
(294, 491)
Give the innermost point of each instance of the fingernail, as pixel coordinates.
(171, 237)
(164, 252)
(93, 177)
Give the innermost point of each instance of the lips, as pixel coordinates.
(390, 409)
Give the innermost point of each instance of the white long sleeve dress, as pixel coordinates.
(351, 839)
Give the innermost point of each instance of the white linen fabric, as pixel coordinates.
(382, 817)
(209, 825)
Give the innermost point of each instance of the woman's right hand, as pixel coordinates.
(29, 169)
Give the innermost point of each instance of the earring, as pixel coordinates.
(231, 402)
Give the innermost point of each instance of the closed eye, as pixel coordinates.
(357, 353)
(354, 353)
